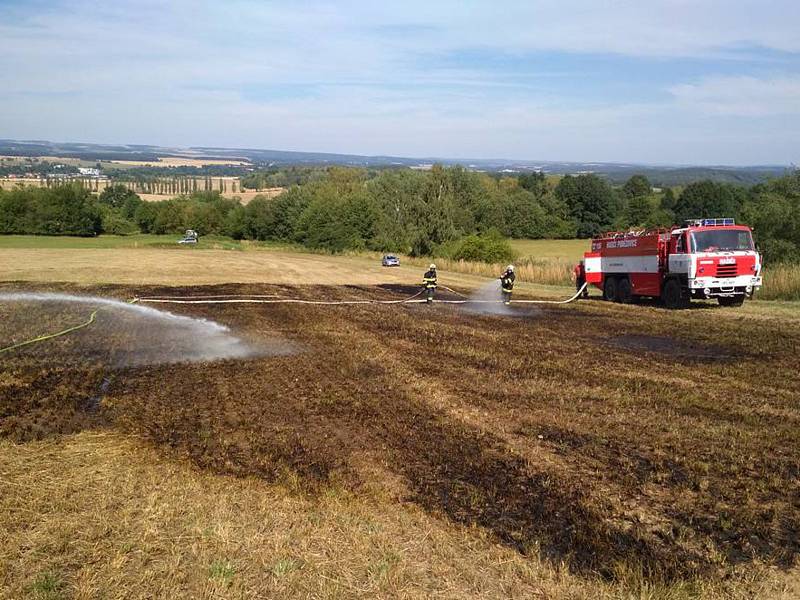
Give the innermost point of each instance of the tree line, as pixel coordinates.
(445, 210)
(180, 185)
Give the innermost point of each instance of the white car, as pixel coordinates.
(190, 237)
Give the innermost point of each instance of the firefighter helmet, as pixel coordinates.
(510, 268)
(432, 267)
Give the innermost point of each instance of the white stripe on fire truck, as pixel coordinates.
(621, 264)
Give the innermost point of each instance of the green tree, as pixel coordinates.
(535, 182)
(15, 212)
(639, 211)
(235, 223)
(397, 195)
(117, 195)
(170, 217)
(773, 211)
(708, 199)
(144, 217)
(277, 218)
(62, 210)
(591, 202)
(436, 217)
(668, 199)
(638, 186)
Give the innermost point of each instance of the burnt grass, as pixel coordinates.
(588, 434)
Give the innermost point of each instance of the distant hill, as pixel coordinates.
(616, 172)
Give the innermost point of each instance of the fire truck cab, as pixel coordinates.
(706, 258)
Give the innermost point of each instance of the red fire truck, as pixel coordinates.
(706, 258)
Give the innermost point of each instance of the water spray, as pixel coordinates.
(158, 336)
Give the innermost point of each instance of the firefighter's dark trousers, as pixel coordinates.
(429, 294)
(579, 284)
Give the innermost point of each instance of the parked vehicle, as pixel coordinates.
(390, 260)
(706, 258)
(190, 237)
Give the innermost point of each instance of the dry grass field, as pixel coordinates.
(145, 260)
(232, 188)
(244, 196)
(8, 183)
(179, 267)
(591, 450)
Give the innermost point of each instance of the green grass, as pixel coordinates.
(211, 242)
(284, 566)
(535, 249)
(48, 586)
(222, 571)
(781, 282)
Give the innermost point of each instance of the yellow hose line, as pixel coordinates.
(259, 300)
(43, 338)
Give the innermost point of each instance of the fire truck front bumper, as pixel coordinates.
(712, 287)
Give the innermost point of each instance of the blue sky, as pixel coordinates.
(661, 81)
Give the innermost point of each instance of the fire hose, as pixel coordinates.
(50, 336)
(248, 299)
(274, 299)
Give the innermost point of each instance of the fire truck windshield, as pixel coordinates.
(721, 240)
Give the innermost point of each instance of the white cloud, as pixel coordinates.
(741, 96)
(190, 73)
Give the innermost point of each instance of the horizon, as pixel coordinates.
(450, 159)
(668, 84)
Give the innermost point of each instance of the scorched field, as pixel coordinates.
(401, 450)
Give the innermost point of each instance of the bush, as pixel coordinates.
(62, 210)
(235, 224)
(490, 248)
(117, 196)
(145, 217)
(118, 225)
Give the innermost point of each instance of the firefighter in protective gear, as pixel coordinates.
(579, 275)
(429, 283)
(507, 283)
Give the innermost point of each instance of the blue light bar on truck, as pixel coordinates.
(717, 222)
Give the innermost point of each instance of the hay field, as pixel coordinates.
(406, 451)
(148, 259)
(231, 185)
(566, 250)
(9, 183)
(244, 196)
(177, 266)
(587, 451)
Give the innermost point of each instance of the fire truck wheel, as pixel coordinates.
(624, 291)
(733, 301)
(610, 289)
(673, 295)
